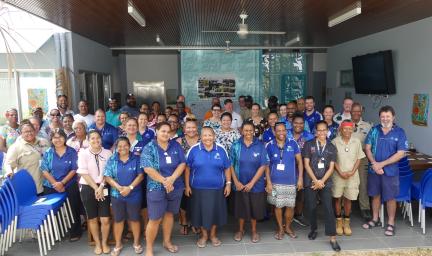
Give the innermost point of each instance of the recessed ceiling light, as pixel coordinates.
(346, 14)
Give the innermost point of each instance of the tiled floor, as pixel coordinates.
(406, 236)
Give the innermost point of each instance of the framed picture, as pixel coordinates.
(346, 79)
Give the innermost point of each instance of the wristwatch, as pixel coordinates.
(131, 187)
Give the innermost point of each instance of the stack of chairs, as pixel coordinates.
(422, 191)
(49, 216)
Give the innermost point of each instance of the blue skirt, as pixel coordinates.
(208, 207)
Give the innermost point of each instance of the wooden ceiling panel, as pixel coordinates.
(180, 22)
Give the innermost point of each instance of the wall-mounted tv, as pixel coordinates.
(373, 73)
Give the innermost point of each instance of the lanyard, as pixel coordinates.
(320, 153)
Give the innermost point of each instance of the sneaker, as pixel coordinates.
(300, 220)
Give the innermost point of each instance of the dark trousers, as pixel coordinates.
(325, 195)
(75, 202)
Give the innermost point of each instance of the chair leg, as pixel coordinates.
(15, 229)
(1, 244)
(411, 214)
(54, 221)
(423, 221)
(382, 215)
(47, 235)
(70, 211)
(43, 240)
(67, 215)
(51, 231)
(419, 212)
(7, 238)
(39, 242)
(64, 219)
(60, 224)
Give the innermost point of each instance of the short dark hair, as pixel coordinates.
(68, 116)
(226, 114)
(216, 105)
(328, 106)
(228, 101)
(322, 122)
(280, 123)
(93, 131)
(122, 138)
(310, 98)
(247, 123)
(159, 125)
(387, 108)
(256, 104)
(298, 115)
(62, 95)
(60, 132)
(241, 96)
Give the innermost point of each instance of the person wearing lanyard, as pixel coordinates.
(163, 161)
(58, 167)
(124, 174)
(282, 183)
(208, 182)
(95, 197)
(319, 159)
(269, 133)
(249, 160)
(108, 132)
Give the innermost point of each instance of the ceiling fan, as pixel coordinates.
(243, 29)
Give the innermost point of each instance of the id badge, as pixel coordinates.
(168, 159)
(320, 165)
(280, 167)
(105, 192)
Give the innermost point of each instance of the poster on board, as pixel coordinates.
(37, 97)
(216, 87)
(420, 109)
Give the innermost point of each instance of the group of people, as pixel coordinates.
(145, 165)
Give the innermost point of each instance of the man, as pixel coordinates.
(39, 132)
(209, 114)
(180, 110)
(182, 98)
(112, 115)
(176, 131)
(386, 144)
(63, 105)
(241, 104)
(301, 104)
(84, 113)
(346, 113)
(245, 112)
(237, 121)
(130, 106)
(346, 180)
(319, 160)
(311, 116)
(108, 132)
(361, 129)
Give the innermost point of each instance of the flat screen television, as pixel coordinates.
(373, 73)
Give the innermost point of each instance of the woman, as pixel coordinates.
(259, 122)
(226, 135)
(9, 132)
(58, 167)
(68, 120)
(26, 153)
(131, 129)
(146, 133)
(123, 118)
(207, 183)
(164, 162)
(168, 111)
(124, 174)
(328, 114)
(269, 133)
(144, 108)
(249, 160)
(54, 121)
(283, 111)
(94, 194)
(79, 141)
(191, 138)
(214, 121)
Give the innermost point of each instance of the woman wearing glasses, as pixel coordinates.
(94, 195)
(215, 121)
(55, 121)
(58, 167)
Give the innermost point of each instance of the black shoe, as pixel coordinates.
(312, 235)
(366, 214)
(335, 246)
(299, 219)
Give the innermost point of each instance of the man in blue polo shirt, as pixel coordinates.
(385, 145)
(311, 116)
(130, 106)
(108, 132)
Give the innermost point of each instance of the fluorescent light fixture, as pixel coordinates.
(346, 14)
(293, 41)
(136, 14)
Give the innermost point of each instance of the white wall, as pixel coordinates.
(412, 57)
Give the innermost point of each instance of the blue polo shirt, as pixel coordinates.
(207, 168)
(109, 134)
(385, 145)
(112, 117)
(250, 160)
(312, 119)
(304, 137)
(133, 112)
(174, 153)
(59, 166)
(124, 173)
(288, 124)
(268, 135)
(138, 147)
(148, 135)
(285, 156)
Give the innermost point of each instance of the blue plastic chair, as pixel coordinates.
(6, 225)
(416, 190)
(426, 200)
(404, 196)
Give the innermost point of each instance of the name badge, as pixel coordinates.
(320, 165)
(280, 167)
(168, 159)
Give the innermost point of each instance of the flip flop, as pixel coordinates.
(238, 236)
(138, 249)
(291, 234)
(215, 241)
(172, 249)
(201, 243)
(279, 235)
(116, 251)
(255, 237)
(97, 250)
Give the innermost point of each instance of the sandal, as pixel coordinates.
(215, 241)
(97, 250)
(291, 234)
(390, 230)
(201, 243)
(172, 249)
(106, 249)
(371, 224)
(238, 236)
(116, 251)
(279, 235)
(138, 249)
(184, 229)
(255, 237)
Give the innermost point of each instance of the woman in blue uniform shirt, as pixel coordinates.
(163, 161)
(124, 174)
(208, 181)
(249, 160)
(59, 166)
(269, 133)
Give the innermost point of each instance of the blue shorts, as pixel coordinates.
(159, 202)
(386, 186)
(121, 207)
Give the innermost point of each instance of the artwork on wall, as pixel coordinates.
(214, 87)
(420, 109)
(346, 79)
(292, 87)
(37, 98)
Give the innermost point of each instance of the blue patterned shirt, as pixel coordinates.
(59, 166)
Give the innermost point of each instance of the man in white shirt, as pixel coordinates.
(84, 113)
(236, 118)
